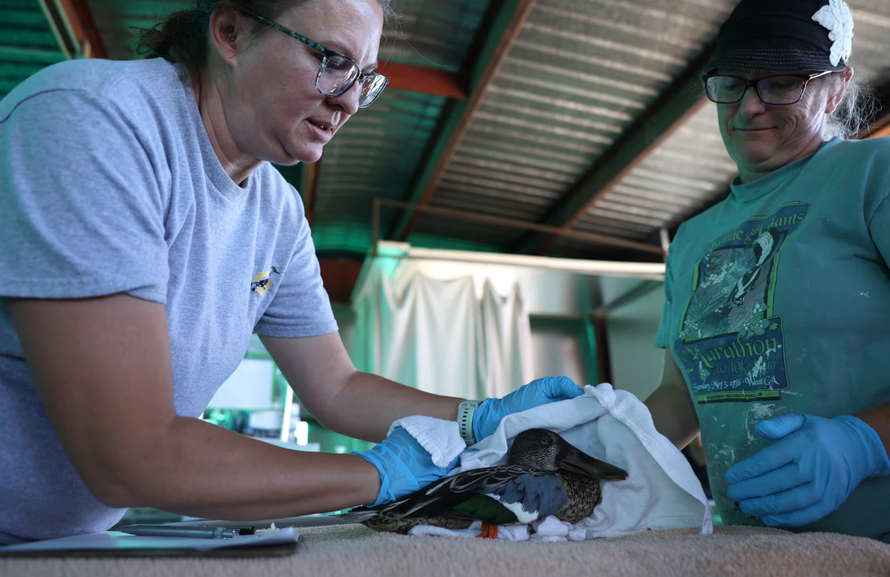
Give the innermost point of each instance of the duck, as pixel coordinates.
(544, 475)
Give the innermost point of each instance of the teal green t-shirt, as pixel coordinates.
(778, 301)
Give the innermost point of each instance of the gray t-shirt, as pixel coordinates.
(109, 184)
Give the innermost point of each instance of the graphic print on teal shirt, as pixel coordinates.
(730, 341)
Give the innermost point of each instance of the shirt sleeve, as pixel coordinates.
(876, 189)
(663, 337)
(81, 210)
(879, 228)
(300, 306)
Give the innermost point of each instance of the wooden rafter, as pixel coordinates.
(509, 223)
(880, 126)
(425, 80)
(76, 19)
(882, 132)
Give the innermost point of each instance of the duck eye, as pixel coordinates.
(545, 440)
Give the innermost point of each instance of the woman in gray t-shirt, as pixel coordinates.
(145, 237)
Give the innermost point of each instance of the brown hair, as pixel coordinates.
(182, 36)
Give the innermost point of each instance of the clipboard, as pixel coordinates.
(117, 544)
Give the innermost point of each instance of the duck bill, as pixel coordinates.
(578, 462)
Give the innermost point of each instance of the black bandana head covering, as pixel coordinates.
(785, 36)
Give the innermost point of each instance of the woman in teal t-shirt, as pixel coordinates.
(774, 321)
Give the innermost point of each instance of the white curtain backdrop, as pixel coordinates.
(439, 337)
(507, 363)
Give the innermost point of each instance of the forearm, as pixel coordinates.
(368, 404)
(673, 414)
(878, 419)
(344, 400)
(199, 469)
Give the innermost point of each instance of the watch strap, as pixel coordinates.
(465, 421)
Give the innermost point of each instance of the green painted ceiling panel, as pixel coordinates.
(27, 43)
(23, 25)
(21, 15)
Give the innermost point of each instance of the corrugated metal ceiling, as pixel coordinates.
(684, 173)
(374, 155)
(377, 153)
(691, 168)
(580, 74)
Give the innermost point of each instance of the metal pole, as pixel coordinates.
(375, 226)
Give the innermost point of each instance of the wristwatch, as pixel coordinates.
(465, 420)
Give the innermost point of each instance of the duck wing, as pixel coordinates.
(502, 494)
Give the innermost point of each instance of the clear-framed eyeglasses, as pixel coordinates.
(337, 72)
(779, 90)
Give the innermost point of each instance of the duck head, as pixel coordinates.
(544, 450)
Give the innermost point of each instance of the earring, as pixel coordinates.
(231, 37)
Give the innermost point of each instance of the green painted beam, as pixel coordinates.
(451, 117)
(493, 41)
(682, 99)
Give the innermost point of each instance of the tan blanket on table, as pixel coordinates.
(355, 551)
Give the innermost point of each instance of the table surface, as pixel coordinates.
(356, 551)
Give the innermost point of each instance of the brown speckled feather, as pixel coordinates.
(585, 493)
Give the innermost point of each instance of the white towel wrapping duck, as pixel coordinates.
(661, 491)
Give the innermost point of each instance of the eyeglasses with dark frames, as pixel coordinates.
(337, 72)
(780, 90)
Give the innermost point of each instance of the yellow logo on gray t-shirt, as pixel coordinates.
(261, 282)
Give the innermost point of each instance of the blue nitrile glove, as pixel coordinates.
(488, 415)
(404, 466)
(810, 472)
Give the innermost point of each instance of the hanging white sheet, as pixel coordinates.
(437, 336)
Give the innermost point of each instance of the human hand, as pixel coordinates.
(404, 466)
(488, 415)
(810, 471)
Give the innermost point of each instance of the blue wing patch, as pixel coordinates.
(543, 494)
